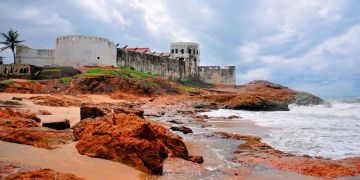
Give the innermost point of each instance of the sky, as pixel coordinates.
(308, 45)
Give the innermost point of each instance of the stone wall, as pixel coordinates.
(158, 65)
(80, 50)
(17, 70)
(38, 57)
(216, 75)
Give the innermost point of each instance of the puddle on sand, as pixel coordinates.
(67, 159)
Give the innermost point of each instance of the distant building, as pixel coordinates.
(182, 62)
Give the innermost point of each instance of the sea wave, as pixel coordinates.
(330, 130)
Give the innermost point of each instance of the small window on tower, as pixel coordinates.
(182, 51)
(189, 51)
(176, 51)
(172, 51)
(98, 57)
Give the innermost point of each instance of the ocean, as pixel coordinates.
(331, 130)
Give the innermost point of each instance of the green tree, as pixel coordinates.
(11, 41)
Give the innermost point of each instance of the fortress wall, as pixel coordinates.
(158, 65)
(81, 50)
(37, 57)
(210, 74)
(228, 75)
(216, 75)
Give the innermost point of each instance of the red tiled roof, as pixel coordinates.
(138, 49)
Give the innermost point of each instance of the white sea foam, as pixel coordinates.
(331, 131)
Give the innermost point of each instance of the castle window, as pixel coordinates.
(172, 51)
(189, 51)
(176, 51)
(182, 51)
(194, 51)
(98, 57)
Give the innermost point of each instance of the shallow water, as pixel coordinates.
(331, 131)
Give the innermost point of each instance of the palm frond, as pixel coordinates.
(5, 47)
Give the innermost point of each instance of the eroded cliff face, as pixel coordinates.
(261, 96)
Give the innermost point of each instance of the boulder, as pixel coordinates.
(182, 129)
(92, 112)
(128, 139)
(59, 125)
(196, 159)
(233, 117)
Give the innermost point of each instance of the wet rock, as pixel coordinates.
(44, 112)
(92, 112)
(305, 99)
(233, 117)
(254, 152)
(202, 116)
(196, 159)
(12, 103)
(129, 139)
(42, 174)
(174, 121)
(182, 129)
(155, 114)
(181, 166)
(185, 111)
(59, 125)
(17, 98)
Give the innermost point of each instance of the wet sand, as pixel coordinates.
(67, 159)
(238, 126)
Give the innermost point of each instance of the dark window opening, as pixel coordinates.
(197, 51)
(182, 51)
(176, 51)
(172, 51)
(98, 57)
(189, 51)
(194, 51)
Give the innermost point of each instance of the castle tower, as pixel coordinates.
(189, 53)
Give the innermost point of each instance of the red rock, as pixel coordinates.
(57, 101)
(23, 127)
(181, 166)
(43, 174)
(196, 159)
(129, 139)
(37, 137)
(253, 151)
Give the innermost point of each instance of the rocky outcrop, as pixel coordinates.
(24, 128)
(42, 174)
(260, 96)
(254, 152)
(128, 139)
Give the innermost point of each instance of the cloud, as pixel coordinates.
(170, 19)
(106, 11)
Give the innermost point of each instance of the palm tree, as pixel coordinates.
(11, 41)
